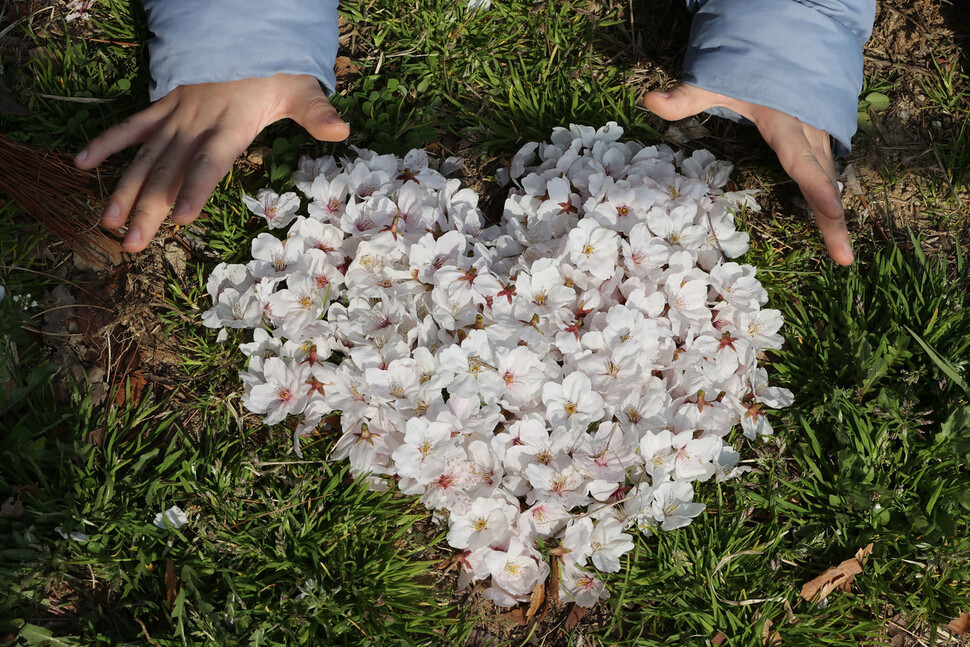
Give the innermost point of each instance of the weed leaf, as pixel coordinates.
(945, 366)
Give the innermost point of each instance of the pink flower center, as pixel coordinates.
(586, 583)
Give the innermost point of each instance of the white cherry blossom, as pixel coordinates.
(572, 403)
(517, 570)
(581, 586)
(487, 521)
(281, 394)
(593, 248)
(278, 210)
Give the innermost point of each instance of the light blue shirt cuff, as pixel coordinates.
(204, 41)
(801, 57)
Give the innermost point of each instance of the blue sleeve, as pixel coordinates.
(202, 41)
(802, 57)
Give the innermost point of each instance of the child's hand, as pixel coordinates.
(803, 151)
(189, 141)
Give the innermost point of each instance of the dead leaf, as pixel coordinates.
(95, 436)
(171, 583)
(836, 577)
(176, 257)
(257, 154)
(851, 181)
(131, 389)
(576, 614)
(446, 564)
(481, 638)
(516, 616)
(330, 425)
(553, 589)
(11, 508)
(538, 597)
(769, 637)
(344, 67)
(960, 625)
(29, 489)
(718, 638)
(686, 131)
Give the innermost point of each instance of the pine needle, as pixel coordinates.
(56, 196)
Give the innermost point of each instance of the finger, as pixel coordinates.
(157, 196)
(681, 102)
(823, 152)
(834, 233)
(817, 184)
(312, 110)
(832, 222)
(210, 164)
(129, 187)
(134, 130)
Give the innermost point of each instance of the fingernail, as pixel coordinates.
(847, 248)
(663, 95)
(182, 209)
(334, 119)
(80, 157)
(133, 238)
(111, 215)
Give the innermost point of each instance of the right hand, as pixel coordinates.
(804, 153)
(189, 140)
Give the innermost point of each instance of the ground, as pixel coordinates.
(140, 406)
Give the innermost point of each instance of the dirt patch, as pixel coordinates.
(102, 328)
(901, 168)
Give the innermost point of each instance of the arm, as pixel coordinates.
(220, 77)
(205, 41)
(794, 68)
(802, 58)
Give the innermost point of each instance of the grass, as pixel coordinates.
(497, 78)
(80, 87)
(266, 540)
(283, 552)
(875, 449)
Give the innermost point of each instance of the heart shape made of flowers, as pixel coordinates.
(565, 375)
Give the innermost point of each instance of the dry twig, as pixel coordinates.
(55, 195)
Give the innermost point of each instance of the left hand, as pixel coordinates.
(804, 152)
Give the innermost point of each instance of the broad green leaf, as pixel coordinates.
(877, 101)
(35, 635)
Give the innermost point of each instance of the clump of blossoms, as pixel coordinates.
(564, 376)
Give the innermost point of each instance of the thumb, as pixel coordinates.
(313, 111)
(681, 102)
